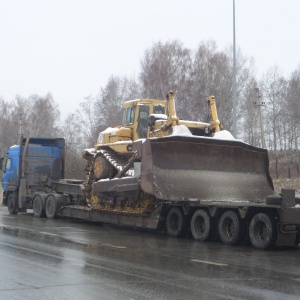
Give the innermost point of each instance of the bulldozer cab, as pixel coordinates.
(135, 115)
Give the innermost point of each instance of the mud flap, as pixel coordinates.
(22, 193)
(285, 238)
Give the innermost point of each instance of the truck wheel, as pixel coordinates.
(175, 222)
(262, 231)
(50, 207)
(230, 228)
(12, 204)
(37, 206)
(200, 225)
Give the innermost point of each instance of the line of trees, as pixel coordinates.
(193, 75)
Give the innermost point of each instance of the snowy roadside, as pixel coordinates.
(293, 183)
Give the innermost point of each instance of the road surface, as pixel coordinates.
(68, 259)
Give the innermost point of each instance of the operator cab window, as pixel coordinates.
(130, 115)
(159, 109)
(123, 116)
(142, 128)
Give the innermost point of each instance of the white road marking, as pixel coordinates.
(6, 226)
(47, 233)
(113, 246)
(209, 262)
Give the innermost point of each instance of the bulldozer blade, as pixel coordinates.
(191, 168)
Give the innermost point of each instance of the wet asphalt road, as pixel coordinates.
(65, 259)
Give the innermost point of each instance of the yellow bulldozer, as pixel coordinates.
(141, 119)
(192, 154)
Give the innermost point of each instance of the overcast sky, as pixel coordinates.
(71, 47)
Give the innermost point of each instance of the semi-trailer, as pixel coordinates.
(155, 170)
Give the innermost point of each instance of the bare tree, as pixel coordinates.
(249, 121)
(164, 67)
(8, 128)
(212, 75)
(292, 104)
(44, 116)
(292, 121)
(130, 89)
(109, 101)
(88, 121)
(34, 116)
(274, 90)
(71, 130)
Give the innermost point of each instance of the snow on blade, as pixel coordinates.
(181, 130)
(224, 135)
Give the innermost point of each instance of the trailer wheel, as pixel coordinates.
(262, 231)
(200, 225)
(175, 222)
(37, 206)
(230, 228)
(12, 204)
(50, 207)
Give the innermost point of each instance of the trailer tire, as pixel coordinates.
(175, 222)
(230, 228)
(12, 204)
(51, 206)
(37, 206)
(200, 225)
(262, 231)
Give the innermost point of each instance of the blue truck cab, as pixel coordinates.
(30, 168)
(11, 169)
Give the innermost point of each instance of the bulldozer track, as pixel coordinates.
(138, 210)
(117, 161)
(142, 205)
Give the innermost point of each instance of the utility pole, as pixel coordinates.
(234, 76)
(259, 103)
